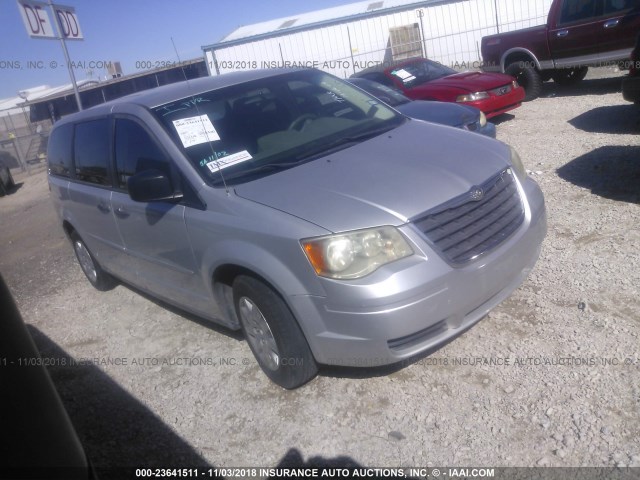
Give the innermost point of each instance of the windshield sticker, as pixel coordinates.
(196, 130)
(228, 161)
(404, 75)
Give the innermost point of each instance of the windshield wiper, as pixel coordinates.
(260, 168)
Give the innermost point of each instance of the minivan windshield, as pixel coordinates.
(236, 133)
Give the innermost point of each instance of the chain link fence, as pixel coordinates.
(23, 144)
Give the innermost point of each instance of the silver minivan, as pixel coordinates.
(290, 204)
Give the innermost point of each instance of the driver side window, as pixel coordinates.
(136, 151)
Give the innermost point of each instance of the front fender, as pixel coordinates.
(288, 278)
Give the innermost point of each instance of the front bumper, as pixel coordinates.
(419, 302)
(498, 104)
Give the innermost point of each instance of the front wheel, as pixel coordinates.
(100, 279)
(273, 334)
(527, 77)
(569, 76)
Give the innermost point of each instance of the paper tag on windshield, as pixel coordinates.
(195, 130)
(229, 160)
(404, 75)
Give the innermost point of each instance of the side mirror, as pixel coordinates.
(151, 186)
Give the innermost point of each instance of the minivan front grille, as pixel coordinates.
(475, 222)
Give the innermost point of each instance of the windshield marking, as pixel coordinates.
(172, 108)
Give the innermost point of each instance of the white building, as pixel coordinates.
(345, 39)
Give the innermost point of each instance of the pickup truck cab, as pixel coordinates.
(578, 34)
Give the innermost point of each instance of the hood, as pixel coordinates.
(469, 81)
(444, 113)
(383, 181)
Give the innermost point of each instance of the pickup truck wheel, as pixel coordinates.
(273, 333)
(100, 279)
(569, 76)
(527, 77)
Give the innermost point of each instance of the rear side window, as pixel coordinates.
(59, 151)
(136, 151)
(616, 7)
(91, 148)
(578, 10)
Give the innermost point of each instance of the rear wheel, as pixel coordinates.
(527, 77)
(273, 334)
(100, 279)
(569, 76)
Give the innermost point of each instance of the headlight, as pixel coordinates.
(517, 164)
(472, 97)
(483, 119)
(355, 254)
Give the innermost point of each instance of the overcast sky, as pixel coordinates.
(134, 32)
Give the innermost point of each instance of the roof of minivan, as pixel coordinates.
(176, 91)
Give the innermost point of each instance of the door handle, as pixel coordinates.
(612, 23)
(103, 208)
(562, 33)
(121, 213)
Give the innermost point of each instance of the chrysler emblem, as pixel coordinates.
(476, 194)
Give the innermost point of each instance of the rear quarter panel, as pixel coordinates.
(497, 50)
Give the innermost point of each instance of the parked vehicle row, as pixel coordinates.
(452, 114)
(423, 79)
(329, 227)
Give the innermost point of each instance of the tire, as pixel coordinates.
(3, 189)
(527, 77)
(273, 334)
(12, 183)
(569, 76)
(100, 279)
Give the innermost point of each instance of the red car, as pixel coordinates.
(422, 79)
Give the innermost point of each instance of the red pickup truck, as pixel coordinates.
(578, 34)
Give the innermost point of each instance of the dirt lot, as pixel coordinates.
(550, 378)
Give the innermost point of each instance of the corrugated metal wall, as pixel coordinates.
(450, 32)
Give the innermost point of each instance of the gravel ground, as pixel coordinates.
(551, 377)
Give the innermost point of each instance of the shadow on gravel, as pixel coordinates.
(595, 86)
(500, 119)
(116, 429)
(293, 459)
(14, 189)
(610, 172)
(614, 119)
